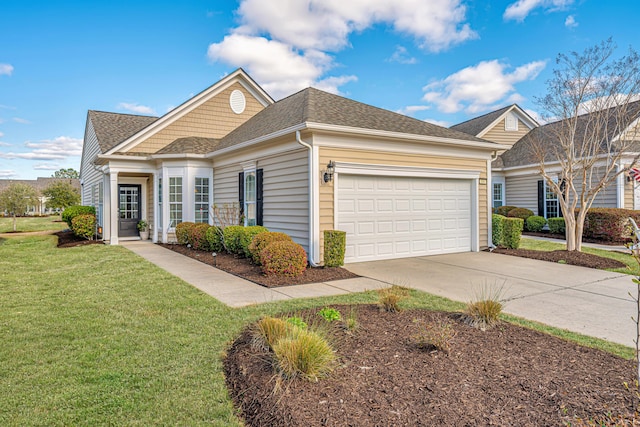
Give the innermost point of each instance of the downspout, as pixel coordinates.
(494, 156)
(311, 198)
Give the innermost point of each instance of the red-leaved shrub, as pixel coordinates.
(183, 232)
(284, 258)
(198, 237)
(262, 240)
(609, 224)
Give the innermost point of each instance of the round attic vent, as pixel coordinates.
(237, 101)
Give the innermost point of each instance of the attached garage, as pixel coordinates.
(405, 216)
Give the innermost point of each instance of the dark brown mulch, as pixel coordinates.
(507, 375)
(66, 239)
(581, 259)
(243, 267)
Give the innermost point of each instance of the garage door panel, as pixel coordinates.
(391, 217)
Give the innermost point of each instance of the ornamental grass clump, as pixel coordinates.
(304, 354)
(283, 258)
(484, 311)
(389, 298)
(435, 336)
(269, 330)
(262, 240)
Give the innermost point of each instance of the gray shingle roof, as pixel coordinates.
(314, 105)
(40, 183)
(113, 128)
(546, 137)
(190, 145)
(478, 124)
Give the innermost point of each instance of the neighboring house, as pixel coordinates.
(516, 180)
(310, 162)
(39, 184)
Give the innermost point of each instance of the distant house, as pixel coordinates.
(39, 184)
(515, 177)
(310, 162)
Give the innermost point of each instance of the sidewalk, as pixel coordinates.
(234, 291)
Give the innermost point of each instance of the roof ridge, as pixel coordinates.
(486, 114)
(121, 114)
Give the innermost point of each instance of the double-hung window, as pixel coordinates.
(202, 200)
(160, 203)
(175, 201)
(551, 202)
(497, 195)
(250, 192)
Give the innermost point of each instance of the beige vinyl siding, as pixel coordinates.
(88, 174)
(522, 192)
(628, 194)
(501, 136)
(213, 119)
(397, 159)
(285, 192)
(606, 198)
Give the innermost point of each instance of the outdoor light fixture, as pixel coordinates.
(328, 174)
(215, 259)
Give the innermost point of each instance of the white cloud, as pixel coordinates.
(21, 121)
(570, 22)
(7, 107)
(443, 123)
(519, 10)
(402, 56)
(411, 109)
(136, 108)
(4, 174)
(284, 44)
(48, 149)
(1, 134)
(6, 69)
(480, 87)
(4, 144)
(536, 116)
(46, 167)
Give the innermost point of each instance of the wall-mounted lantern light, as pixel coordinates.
(328, 174)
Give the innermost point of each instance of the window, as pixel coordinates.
(100, 205)
(497, 195)
(551, 202)
(160, 203)
(202, 200)
(250, 211)
(511, 122)
(175, 201)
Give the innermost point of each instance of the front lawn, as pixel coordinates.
(625, 258)
(32, 223)
(95, 335)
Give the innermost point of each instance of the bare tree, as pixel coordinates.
(592, 101)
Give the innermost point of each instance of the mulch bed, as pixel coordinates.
(581, 259)
(507, 375)
(66, 239)
(243, 267)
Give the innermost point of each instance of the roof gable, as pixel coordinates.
(479, 126)
(237, 77)
(113, 128)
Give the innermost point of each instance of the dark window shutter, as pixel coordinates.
(241, 192)
(563, 188)
(541, 198)
(259, 197)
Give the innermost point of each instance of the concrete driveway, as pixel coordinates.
(588, 301)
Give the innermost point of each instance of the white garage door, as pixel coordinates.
(394, 217)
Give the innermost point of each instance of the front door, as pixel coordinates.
(129, 210)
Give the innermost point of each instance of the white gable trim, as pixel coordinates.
(238, 76)
(519, 112)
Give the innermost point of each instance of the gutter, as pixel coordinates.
(312, 168)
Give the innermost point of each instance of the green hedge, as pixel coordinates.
(262, 240)
(183, 232)
(512, 230)
(522, 213)
(335, 242)
(248, 233)
(535, 223)
(214, 238)
(231, 239)
(72, 211)
(84, 225)
(503, 210)
(556, 225)
(497, 229)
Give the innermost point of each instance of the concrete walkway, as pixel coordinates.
(237, 292)
(584, 300)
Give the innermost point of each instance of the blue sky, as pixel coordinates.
(444, 61)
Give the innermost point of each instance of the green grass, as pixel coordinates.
(32, 223)
(626, 258)
(95, 335)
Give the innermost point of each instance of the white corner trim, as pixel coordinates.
(620, 186)
(410, 171)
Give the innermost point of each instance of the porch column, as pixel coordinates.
(154, 232)
(114, 207)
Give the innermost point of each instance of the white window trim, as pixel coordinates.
(169, 202)
(513, 128)
(207, 203)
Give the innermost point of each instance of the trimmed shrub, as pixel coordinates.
(497, 229)
(284, 258)
(72, 211)
(522, 213)
(198, 237)
(248, 233)
(609, 224)
(214, 238)
(84, 225)
(335, 242)
(512, 230)
(262, 240)
(183, 232)
(503, 210)
(535, 223)
(556, 225)
(231, 238)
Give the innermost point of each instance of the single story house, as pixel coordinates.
(310, 162)
(39, 185)
(516, 180)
